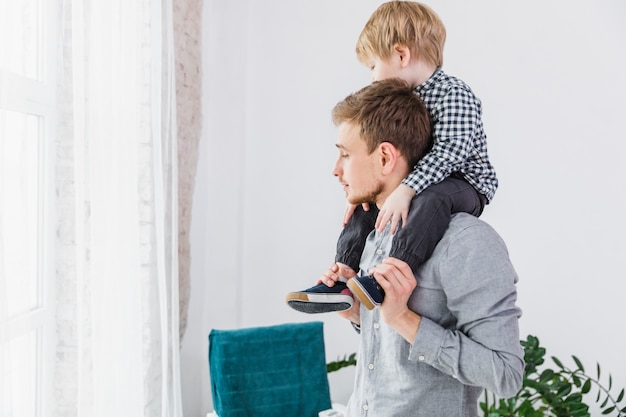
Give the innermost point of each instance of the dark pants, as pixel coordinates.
(429, 217)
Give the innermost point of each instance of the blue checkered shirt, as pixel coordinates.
(460, 143)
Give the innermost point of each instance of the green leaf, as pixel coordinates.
(575, 397)
(598, 370)
(604, 402)
(558, 362)
(564, 390)
(341, 363)
(546, 375)
(578, 363)
(608, 410)
(620, 396)
(586, 387)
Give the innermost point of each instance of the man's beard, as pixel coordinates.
(370, 197)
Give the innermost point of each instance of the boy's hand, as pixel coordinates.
(334, 271)
(395, 208)
(350, 211)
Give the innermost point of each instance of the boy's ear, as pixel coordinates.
(403, 53)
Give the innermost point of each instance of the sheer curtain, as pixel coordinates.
(117, 290)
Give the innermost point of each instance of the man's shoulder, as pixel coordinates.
(470, 236)
(464, 223)
(465, 218)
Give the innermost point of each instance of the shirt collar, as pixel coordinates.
(427, 85)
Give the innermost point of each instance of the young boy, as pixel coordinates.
(405, 39)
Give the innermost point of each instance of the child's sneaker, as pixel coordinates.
(367, 290)
(321, 299)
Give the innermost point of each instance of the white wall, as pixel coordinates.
(267, 210)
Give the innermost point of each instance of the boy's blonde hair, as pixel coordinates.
(406, 23)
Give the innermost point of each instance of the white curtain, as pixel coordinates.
(118, 338)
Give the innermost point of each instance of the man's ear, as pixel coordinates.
(388, 155)
(403, 53)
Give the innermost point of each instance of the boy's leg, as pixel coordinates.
(352, 239)
(429, 217)
(322, 298)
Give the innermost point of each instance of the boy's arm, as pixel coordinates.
(456, 119)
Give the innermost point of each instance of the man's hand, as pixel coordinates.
(397, 279)
(353, 313)
(395, 208)
(334, 271)
(350, 211)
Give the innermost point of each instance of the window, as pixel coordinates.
(27, 125)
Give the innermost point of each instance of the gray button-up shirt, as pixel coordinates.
(468, 338)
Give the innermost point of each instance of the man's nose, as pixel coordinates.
(336, 169)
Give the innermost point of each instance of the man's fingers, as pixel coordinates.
(401, 265)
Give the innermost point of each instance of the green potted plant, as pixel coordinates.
(546, 392)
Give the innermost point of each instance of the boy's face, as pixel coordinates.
(383, 69)
(400, 64)
(356, 168)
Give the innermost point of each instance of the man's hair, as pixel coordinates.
(388, 111)
(406, 23)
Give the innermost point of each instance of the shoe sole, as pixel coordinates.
(360, 293)
(313, 303)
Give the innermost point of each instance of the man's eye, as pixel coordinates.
(344, 155)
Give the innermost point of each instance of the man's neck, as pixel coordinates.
(393, 185)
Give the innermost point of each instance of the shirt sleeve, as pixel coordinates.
(483, 347)
(456, 118)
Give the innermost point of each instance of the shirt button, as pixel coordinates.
(365, 407)
(379, 252)
(376, 325)
(421, 357)
(370, 366)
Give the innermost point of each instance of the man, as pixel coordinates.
(447, 330)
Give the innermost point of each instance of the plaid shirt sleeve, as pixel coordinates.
(456, 119)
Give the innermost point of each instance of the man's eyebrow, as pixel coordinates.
(340, 146)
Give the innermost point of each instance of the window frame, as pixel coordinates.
(37, 97)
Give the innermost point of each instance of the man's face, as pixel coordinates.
(356, 169)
